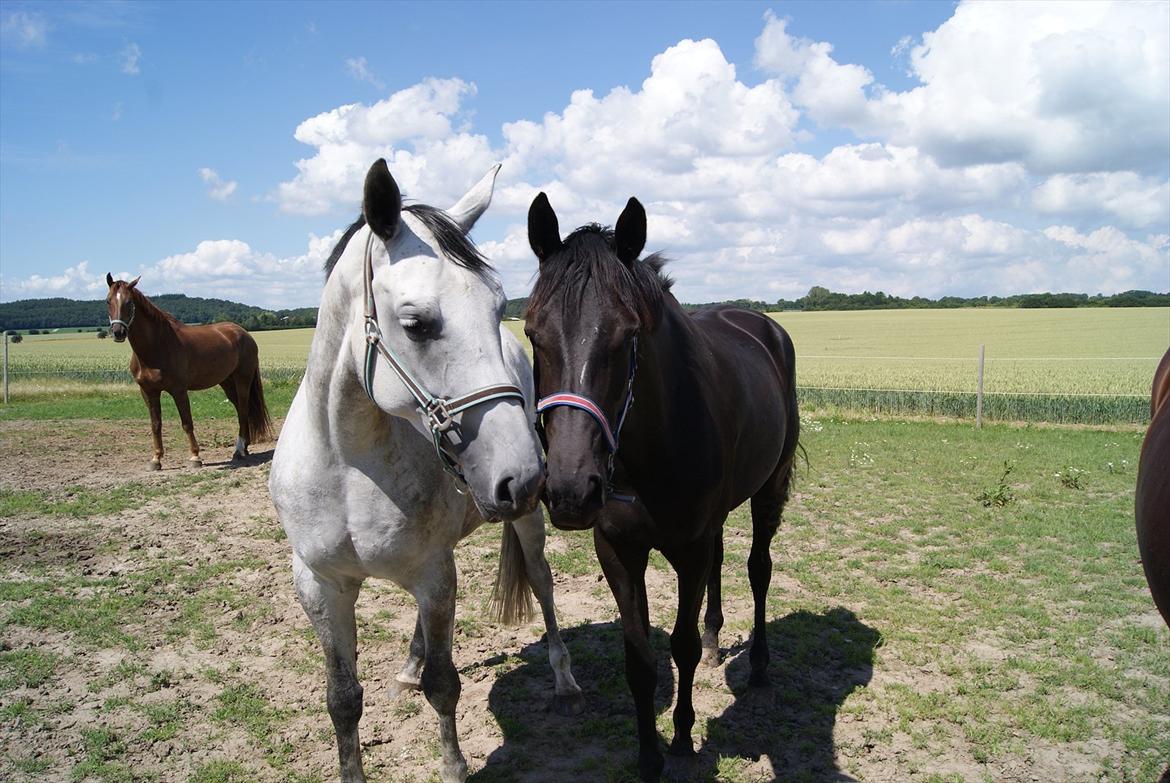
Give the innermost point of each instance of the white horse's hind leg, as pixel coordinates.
(410, 678)
(440, 679)
(530, 530)
(331, 612)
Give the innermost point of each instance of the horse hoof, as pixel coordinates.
(155, 465)
(194, 462)
(568, 704)
(681, 747)
(403, 685)
(650, 767)
(238, 457)
(455, 772)
(710, 657)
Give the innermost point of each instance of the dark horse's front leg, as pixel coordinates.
(624, 566)
(692, 563)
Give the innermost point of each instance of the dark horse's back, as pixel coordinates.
(754, 363)
(1152, 498)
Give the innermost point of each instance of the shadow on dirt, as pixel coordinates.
(252, 460)
(817, 660)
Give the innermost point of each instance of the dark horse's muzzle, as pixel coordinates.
(574, 497)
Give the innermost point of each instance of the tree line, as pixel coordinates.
(59, 313)
(67, 313)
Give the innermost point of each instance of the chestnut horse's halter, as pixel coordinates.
(612, 434)
(438, 413)
(133, 312)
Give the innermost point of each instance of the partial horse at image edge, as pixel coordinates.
(171, 356)
(1152, 497)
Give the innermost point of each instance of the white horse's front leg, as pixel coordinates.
(440, 679)
(530, 530)
(331, 612)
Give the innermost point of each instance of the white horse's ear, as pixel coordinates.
(134, 282)
(473, 204)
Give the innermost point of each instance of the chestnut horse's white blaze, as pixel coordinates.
(356, 479)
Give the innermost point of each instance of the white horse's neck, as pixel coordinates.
(338, 405)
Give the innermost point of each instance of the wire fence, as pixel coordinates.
(1033, 406)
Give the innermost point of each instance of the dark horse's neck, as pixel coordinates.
(672, 361)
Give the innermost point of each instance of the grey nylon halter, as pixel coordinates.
(438, 413)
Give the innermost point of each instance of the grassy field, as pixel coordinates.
(931, 620)
(1088, 365)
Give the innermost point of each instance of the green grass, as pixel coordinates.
(1084, 365)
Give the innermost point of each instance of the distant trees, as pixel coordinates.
(820, 298)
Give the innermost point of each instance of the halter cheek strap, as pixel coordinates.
(438, 413)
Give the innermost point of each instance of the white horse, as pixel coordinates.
(380, 470)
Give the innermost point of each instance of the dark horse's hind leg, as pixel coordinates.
(767, 504)
(713, 617)
(237, 390)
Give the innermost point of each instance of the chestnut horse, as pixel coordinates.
(658, 424)
(1152, 500)
(173, 357)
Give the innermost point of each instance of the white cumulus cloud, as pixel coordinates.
(217, 188)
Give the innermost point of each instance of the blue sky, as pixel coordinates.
(919, 148)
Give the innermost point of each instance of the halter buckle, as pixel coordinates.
(438, 416)
(373, 333)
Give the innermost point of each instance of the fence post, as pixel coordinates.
(5, 366)
(979, 394)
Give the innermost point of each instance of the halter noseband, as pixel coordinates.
(612, 434)
(438, 413)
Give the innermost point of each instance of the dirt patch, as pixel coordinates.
(176, 649)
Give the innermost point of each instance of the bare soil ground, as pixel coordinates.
(150, 632)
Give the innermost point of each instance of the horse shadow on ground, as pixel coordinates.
(817, 660)
(255, 459)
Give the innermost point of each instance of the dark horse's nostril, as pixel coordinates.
(593, 487)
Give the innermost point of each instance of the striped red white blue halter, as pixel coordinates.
(438, 413)
(611, 434)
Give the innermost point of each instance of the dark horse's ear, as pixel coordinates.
(544, 235)
(629, 236)
(382, 201)
(109, 280)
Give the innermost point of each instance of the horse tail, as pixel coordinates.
(259, 422)
(792, 442)
(511, 600)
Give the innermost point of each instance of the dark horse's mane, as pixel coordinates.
(587, 257)
(452, 241)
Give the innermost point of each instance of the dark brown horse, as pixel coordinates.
(173, 357)
(1152, 500)
(657, 424)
